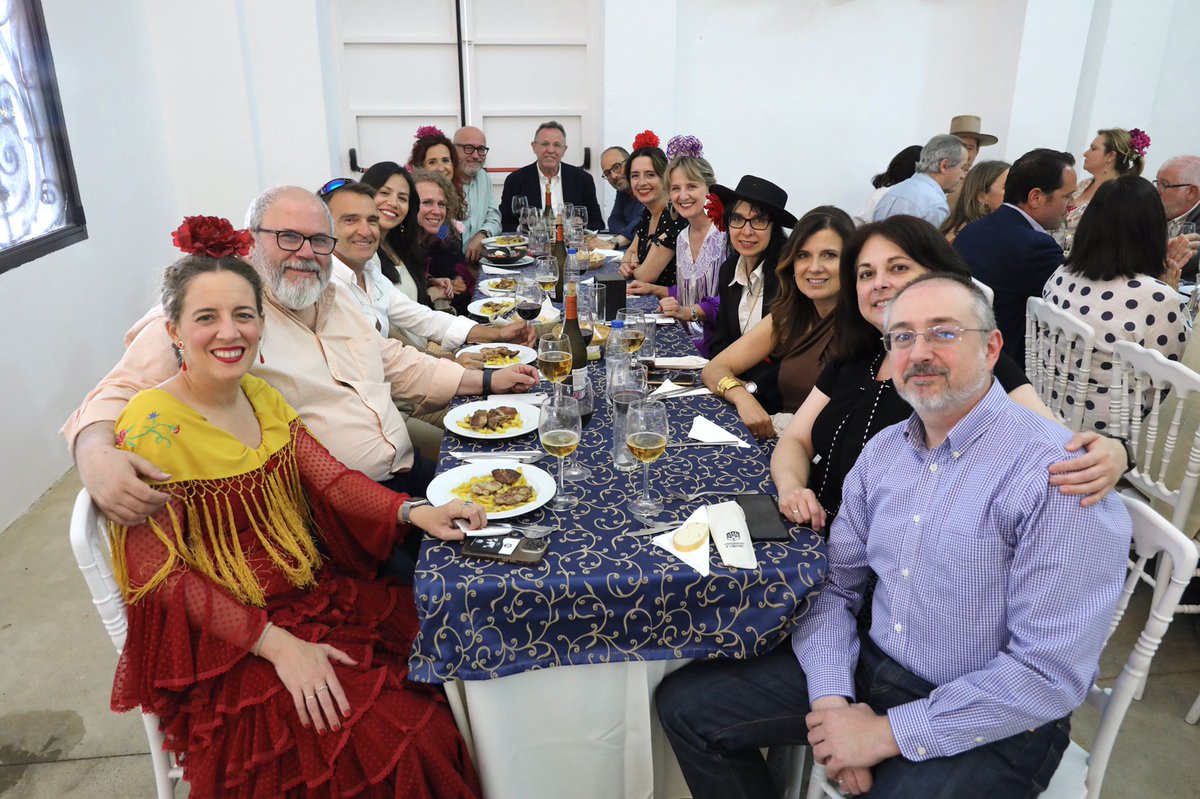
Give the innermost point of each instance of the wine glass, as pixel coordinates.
(529, 298)
(646, 433)
(565, 209)
(546, 274)
(585, 394)
(633, 334)
(559, 430)
(519, 202)
(554, 360)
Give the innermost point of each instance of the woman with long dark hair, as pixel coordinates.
(399, 254)
(902, 167)
(650, 258)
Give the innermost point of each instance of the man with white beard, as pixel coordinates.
(319, 351)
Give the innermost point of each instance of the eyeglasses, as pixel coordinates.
(334, 185)
(613, 170)
(1161, 185)
(756, 222)
(291, 241)
(471, 149)
(938, 336)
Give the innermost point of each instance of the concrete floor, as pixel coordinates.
(59, 739)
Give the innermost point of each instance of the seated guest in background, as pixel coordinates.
(989, 616)
(650, 259)
(1121, 280)
(1009, 250)
(700, 249)
(1178, 184)
(855, 396)
(899, 169)
(796, 334)
(356, 228)
(568, 184)
(440, 236)
(399, 253)
(278, 635)
(346, 394)
(432, 151)
(482, 217)
(966, 127)
(982, 193)
(1113, 153)
(626, 211)
(940, 169)
(755, 215)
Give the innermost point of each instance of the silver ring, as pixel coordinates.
(309, 696)
(319, 690)
(468, 503)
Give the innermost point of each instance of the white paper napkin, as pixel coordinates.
(549, 312)
(496, 270)
(668, 386)
(705, 430)
(529, 399)
(698, 557)
(609, 253)
(727, 526)
(685, 362)
(661, 319)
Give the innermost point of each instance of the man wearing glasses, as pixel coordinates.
(568, 184)
(995, 594)
(1178, 183)
(626, 210)
(483, 217)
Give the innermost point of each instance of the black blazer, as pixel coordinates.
(578, 188)
(726, 330)
(1015, 261)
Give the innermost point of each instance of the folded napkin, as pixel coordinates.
(668, 387)
(661, 319)
(536, 398)
(704, 430)
(496, 270)
(697, 558)
(727, 526)
(609, 253)
(549, 312)
(685, 362)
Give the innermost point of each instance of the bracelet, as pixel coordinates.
(725, 383)
(487, 382)
(261, 637)
(695, 313)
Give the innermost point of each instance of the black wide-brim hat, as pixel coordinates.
(760, 193)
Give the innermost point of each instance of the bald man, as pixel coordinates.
(483, 216)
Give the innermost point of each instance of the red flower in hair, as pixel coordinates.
(647, 138)
(428, 130)
(714, 209)
(1139, 141)
(211, 236)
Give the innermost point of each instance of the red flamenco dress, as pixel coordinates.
(234, 548)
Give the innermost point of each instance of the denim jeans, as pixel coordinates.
(719, 713)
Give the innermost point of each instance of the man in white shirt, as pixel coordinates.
(567, 183)
(483, 216)
(356, 227)
(940, 170)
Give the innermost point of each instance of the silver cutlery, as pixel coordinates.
(521, 456)
(674, 444)
(532, 530)
(654, 529)
(698, 494)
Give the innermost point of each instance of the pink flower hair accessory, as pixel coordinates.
(680, 146)
(1139, 141)
(428, 130)
(647, 138)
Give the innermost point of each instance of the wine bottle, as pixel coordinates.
(572, 333)
(560, 255)
(548, 204)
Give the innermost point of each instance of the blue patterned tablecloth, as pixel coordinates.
(599, 596)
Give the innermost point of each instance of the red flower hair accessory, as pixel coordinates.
(1139, 142)
(647, 138)
(428, 130)
(714, 209)
(211, 236)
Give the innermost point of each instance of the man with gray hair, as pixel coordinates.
(1178, 183)
(940, 170)
(483, 216)
(626, 210)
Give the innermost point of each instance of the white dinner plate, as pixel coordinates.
(477, 306)
(523, 261)
(524, 354)
(489, 287)
(511, 240)
(529, 418)
(441, 488)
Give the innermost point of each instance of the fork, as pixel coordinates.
(698, 494)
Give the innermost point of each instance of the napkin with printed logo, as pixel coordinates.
(727, 526)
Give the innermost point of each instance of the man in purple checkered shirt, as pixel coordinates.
(995, 593)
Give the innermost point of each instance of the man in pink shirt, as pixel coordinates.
(329, 363)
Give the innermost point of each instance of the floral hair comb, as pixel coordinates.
(428, 130)
(714, 209)
(647, 138)
(211, 236)
(688, 146)
(1139, 141)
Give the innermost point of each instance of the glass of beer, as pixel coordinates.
(560, 431)
(646, 434)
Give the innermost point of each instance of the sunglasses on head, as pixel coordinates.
(334, 185)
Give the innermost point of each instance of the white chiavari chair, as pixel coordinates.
(1058, 360)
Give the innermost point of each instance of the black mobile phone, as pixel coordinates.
(506, 548)
(763, 519)
(656, 377)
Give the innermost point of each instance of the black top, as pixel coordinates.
(859, 407)
(726, 329)
(669, 228)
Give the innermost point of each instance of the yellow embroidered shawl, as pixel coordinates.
(211, 472)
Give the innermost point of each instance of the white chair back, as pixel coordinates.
(1058, 360)
(1142, 380)
(89, 541)
(1081, 772)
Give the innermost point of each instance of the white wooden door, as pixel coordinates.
(521, 62)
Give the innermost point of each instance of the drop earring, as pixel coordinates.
(182, 362)
(261, 358)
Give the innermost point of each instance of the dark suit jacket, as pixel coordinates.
(578, 188)
(726, 329)
(1193, 265)
(1014, 260)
